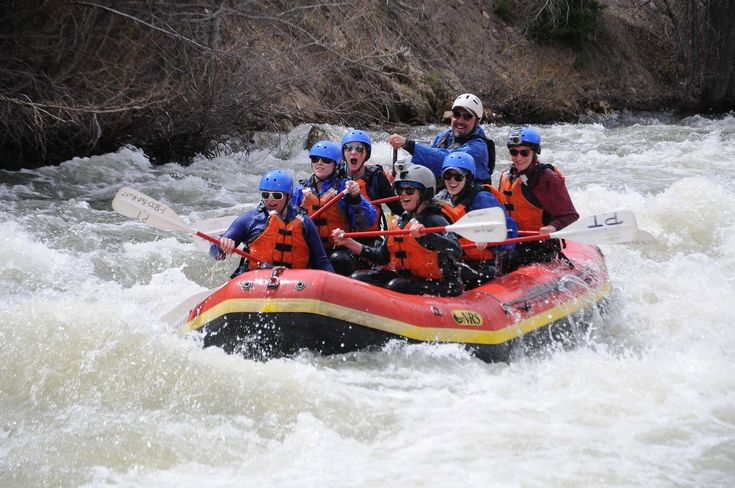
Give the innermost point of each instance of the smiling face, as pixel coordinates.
(463, 122)
(323, 168)
(522, 157)
(354, 154)
(271, 202)
(409, 196)
(454, 181)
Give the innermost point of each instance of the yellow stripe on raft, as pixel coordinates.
(397, 327)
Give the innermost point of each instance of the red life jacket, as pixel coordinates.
(519, 200)
(281, 244)
(407, 254)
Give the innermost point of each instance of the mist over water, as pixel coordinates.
(97, 390)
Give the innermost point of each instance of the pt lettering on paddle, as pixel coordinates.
(139, 200)
(607, 222)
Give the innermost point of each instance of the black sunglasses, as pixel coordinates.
(316, 159)
(522, 152)
(357, 147)
(275, 195)
(462, 115)
(408, 190)
(448, 176)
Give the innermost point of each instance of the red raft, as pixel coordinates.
(278, 312)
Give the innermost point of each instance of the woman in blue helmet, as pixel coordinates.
(535, 195)
(274, 232)
(462, 194)
(353, 211)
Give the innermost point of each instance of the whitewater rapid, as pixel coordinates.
(97, 390)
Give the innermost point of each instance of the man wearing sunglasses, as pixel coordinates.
(535, 195)
(274, 232)
(419, 264)
(353, 211)
(465, 134)
(462, 194)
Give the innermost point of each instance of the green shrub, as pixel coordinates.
(572, 22)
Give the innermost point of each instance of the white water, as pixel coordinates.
(96, 390)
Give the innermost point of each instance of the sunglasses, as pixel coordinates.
(448, 176)
(316, 159)
(408, 190)
(462, 115)
(275, 195)
(522, 152)
(357, 147)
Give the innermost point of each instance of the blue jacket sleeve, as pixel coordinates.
(362, 214)
(486, 199)
(317, 256)
(239, 231)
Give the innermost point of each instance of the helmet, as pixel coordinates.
(421, 177)
(525, 136)
(470, 102)
(277, 180)
(326, 149)
(459, 160)
(355, 135)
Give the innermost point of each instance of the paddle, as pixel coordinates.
(331, 202)
(138, 206)
(607, 228)
(483, 225)
(177, 315)
(641, 236)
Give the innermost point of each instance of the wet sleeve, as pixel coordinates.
(239, 231)
(376, 255)
(317, 256)
(362, 214)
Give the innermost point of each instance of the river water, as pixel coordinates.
(97, 390)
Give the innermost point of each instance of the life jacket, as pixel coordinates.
(330, 219)
(454, 213)
(407, 254)
(368, 184)
(281, 244)
(444, 143)
(519, 200)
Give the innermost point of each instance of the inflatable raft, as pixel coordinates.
(279, 312)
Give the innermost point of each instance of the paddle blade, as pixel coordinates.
(483, 225)
(215, 227)
(138, 206)
(176, 317)
(604, 228)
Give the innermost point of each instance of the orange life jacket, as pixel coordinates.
(407, 254)
(281, 244)
(471, 253)
(330, 219)
(520, 202)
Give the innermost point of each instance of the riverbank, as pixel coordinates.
(92, 78)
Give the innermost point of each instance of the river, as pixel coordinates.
(96, 390)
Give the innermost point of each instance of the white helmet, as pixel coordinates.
(470, 102)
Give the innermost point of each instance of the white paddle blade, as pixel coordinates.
(604, 228)
(176, 317)
(214, 227)
(136, 205)
(482, 225)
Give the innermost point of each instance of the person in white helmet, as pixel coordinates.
(465, 134)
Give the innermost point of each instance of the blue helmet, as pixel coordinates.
(525, 136)
(459, 160)
(356, 135)
(328, 150)
(277, 180)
